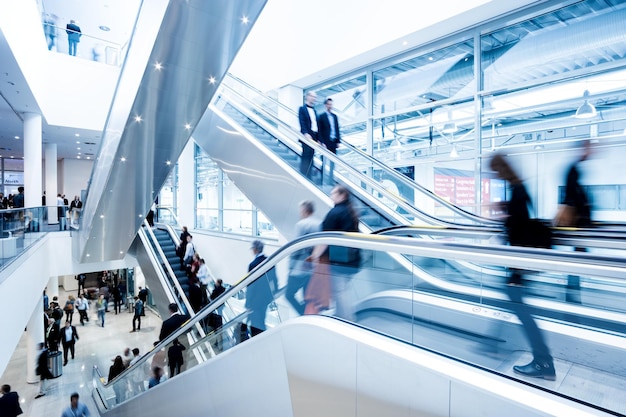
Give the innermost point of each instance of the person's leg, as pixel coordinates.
(294, 283)
(72, 346)
(172, 369)
(307, 160)
(138, 323)
(65, 349)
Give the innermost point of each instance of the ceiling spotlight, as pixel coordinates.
(586, 110)
(77, 141)
(102, 216)
(245, 20)
(123, 159)
(453, 152)
(78, 148)
(77, 134)
(78, 157)
(212, 79)
(168, 162)
(187, 126)
(158, 66)
(17, 137)
(138, 118)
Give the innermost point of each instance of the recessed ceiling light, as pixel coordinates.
(17, 137)
(168, 162)
(78, 148)
(78, 157)
(187, 126)
(158, 66)
(77, 141)
(88, 158)
(79, 153)
(138, 118)
(245, 20)
(104, 28)
(404, 43)
(430, 58)
(123, 159)
(77, 134)
(102, 216)
(212, 79)
(121, 252)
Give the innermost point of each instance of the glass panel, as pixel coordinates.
(265, 228)
(433, 76)
(553, 44)
(447, 304)
(349, 100)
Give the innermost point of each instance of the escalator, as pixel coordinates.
(393, 328)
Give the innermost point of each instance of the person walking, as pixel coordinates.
(300, 269)
(82, 305)
(76, 408)
(42, 370)
(116, 369)
(101, 309)
(518, 227)
(81, 278)
(344, 261)
(329, 135)
(143, 296)
(308, 127)
(259, 294)
(9, 402)
(69, 336)
(137, 315)
(69, 308)
(175, 357)
(181, 248)
(73, 37)
(175, 320)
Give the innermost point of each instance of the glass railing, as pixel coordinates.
(468, 322)
(407, 190)
(21, 227)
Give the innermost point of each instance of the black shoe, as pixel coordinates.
(41, 394)
(132, 331)
(64, 363)
(537, 369)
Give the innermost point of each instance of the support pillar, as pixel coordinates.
(53, 288)
(50, 153)
(33, 188)
(35, 336)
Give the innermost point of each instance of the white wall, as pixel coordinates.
(72, 177)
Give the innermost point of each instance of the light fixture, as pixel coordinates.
(17, 137)
(158, 66)
(245, 20)
(211, 80)
(187, 126)
(449, 127)
(453, 152)
(395, 144)
(586, 110)
(138, 118)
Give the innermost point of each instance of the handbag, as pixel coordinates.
(344, 255)
(566, 216)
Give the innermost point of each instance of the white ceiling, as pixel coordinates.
(290, 41)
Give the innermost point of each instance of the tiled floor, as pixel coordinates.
(97, 346)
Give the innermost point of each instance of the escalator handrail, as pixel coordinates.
(375, 185)
(543, 259)
(168, 268)
(388, 170)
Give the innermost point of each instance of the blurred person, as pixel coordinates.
(204, 277)
(190, 250)
(69, 308)
(138, 375)
(300, 269)
(344, 262)
(520, 232)
(157, 377)
(75, 206)
(127, 357)
(82, 305)
(117, 299)
(69, 336)
(175, 357)
(42, 370)
(73, 36)
(61, 212)
(329, 135)
(46, 303)
(76, 408)
(52, 335)
(308, 127)
(101, 309)
(259, 293)
(195, 296)
(50, 30)
(81, 278)
(119, 388)
(159, 358)
(180, 249)
(18, 199)
(218, 289)
(9, 402)
(575, 212)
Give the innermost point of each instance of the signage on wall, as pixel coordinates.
(13, 178)
(458, 187)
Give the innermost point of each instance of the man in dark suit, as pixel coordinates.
(9, 402)
(308, 127)
(259, 293)
(69, 336)
(329, 135)
(42, 370)
(73, 37)
(170, 325)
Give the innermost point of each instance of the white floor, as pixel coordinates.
(97, 346)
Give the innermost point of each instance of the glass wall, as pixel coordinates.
(534, 89)
(222, 207)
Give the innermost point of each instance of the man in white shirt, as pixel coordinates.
(308, 128)
(204, 276)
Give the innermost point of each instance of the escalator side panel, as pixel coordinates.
(265, 179)
(150, 273)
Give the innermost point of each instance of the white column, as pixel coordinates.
(35, 335)
(53, 288)
(32, 160)
(50, 153)
(186, 186)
